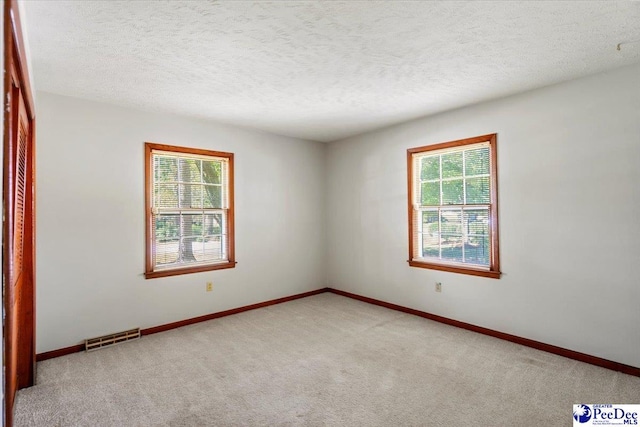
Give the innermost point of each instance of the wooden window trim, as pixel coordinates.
(494, 264)
(150, 273)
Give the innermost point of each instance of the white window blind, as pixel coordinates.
(190, 203)
(452, 205)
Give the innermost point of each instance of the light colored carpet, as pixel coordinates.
(324, 360)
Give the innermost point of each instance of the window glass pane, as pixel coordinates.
(166, 169)
(165, 196)
(191, 235)
(452, 192)
(189, 249)
(167, 239)
(476, 222)
(451, 222)
(429, 220)
(187, 222)
(167, 251)
(452, 248)
(478, 190)
(430, 168)
(211, 172)
(212, 248)
(477, 161)
(452, 165)
(477, 250)
(212, 196)
(190, 195)
(192, 224)
(451, 234)
(212, 224)
(189, 170)
(430, 194)
(167, 226)
(430, 233)
(199, 249)
(431, 245)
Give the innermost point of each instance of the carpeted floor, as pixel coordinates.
(324, 360)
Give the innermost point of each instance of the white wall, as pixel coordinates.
(569, 203)
(569, 209)
(90, 220)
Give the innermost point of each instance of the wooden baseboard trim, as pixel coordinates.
(153, 330)
(582, 357)
(59, 352)
(181, 323)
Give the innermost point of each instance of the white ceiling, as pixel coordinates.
(320, 70)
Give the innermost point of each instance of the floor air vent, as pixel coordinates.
(111, 339)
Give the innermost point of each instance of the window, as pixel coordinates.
(189, 210)
(453, 206)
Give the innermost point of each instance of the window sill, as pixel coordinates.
(187, 270)
(456, 269)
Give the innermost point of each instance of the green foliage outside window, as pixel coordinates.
(187, 183)
(456, 178)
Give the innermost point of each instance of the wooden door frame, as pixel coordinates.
(16, 75)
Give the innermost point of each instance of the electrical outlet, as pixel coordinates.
(209, 286)
(438, 287)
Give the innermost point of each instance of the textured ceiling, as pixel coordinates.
(320, 70)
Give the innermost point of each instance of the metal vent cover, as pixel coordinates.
(111, 339)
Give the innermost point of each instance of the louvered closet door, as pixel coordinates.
(20, 196)
(22, 261)
(19, 217)
(20, 370)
